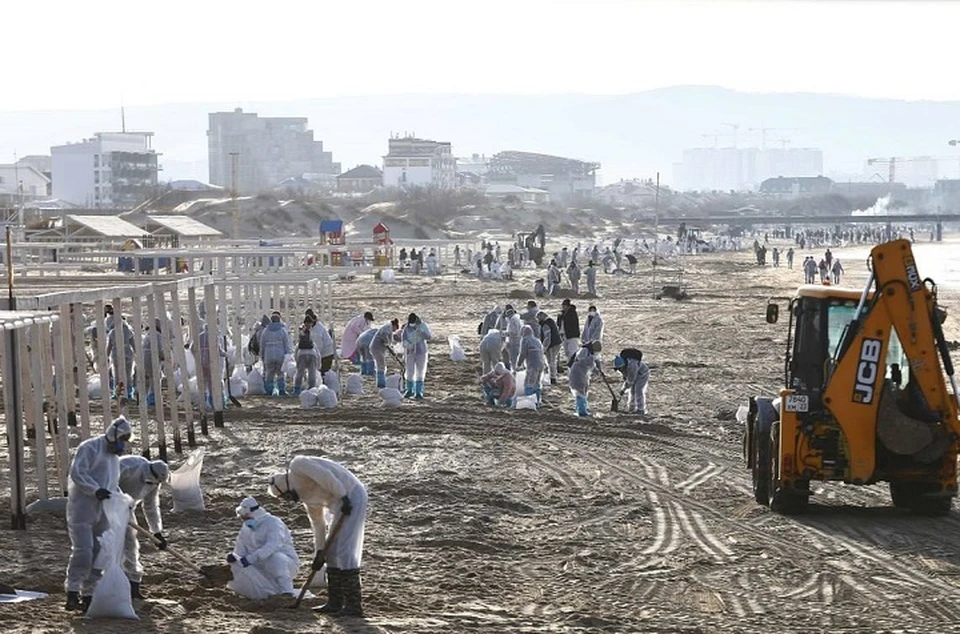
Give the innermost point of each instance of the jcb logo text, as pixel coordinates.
(867, 370)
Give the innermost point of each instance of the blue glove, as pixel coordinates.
(244, 562)
(231, 558)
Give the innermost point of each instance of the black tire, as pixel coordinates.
(785, 501)
(911, 495)
(761, 464)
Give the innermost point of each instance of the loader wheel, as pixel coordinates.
(783, 500)
(761, 465)
(910, 495)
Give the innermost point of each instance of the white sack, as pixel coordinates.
(332, 380)
(111, 598)
(308, 398)
(391, 397)
(326, 397)
(354, 384)
(185, 484)
(456, 351)
(393, 381)
(255, 383)
(526, 402)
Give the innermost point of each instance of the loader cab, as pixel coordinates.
(821, 316)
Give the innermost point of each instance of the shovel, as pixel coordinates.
(615, 404)
(326, 550)
(201, 569)
(403, 372)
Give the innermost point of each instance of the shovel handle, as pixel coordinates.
(326, 550)
(171, 551)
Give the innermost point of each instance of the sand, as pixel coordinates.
(495, 521)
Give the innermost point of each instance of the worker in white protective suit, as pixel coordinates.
(323, 340)
(124, 374)
(353, 329)
(511, 324)
(265, 543)
(415, 336)
(491, 349)
(636, 377)
(532, 359)
(141, 479)
(94, 477)
(367, 367)
(381, 342)
(325, 486)
(584, 363)
(275, 345)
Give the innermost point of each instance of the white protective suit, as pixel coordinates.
(635, 380)
(320, 484)
(491, 349)
(531, 357)
(141, 479)
(96, 465)
(490, 321)
(378, 347)
(593, 329)
(513, 327)
(591, 274)
(415, 337)
(126, 373)
(363, 346)
(267, 546)
(348, 342)
(584, 363)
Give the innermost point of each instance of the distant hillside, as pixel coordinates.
(630, 135)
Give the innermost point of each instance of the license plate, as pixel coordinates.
(798, 403)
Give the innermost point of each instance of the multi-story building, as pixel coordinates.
(264, 151)
(414, 162)
(742, 169)
(566, 180)
(111, 170)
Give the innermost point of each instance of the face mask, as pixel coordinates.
(592, 313)
(118, 446)
(251, 524)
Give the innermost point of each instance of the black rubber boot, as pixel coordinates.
(135, 591)
(73, 601)
(334, 593)
(85, 603)
(352, 599)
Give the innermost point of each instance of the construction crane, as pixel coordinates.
(763, 134)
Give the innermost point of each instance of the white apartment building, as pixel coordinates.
(110, 170)
(742, 169)
(414, 162)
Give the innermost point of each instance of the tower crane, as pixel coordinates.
(763, 134)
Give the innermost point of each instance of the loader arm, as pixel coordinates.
(904, 303)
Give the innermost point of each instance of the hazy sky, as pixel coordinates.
(64, 54)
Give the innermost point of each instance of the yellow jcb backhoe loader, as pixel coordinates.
(865, 397)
